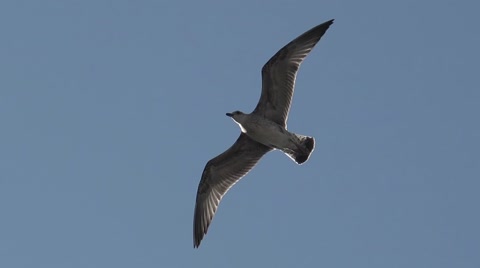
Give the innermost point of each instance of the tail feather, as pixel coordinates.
(305, 148)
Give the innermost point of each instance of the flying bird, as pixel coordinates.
(263, 130)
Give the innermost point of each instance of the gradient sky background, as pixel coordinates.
(109, 111)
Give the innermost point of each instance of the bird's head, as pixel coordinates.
(236, 116)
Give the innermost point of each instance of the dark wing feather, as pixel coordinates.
(279, 73)
(219, 175)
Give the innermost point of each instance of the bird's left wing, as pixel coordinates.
(279, 73)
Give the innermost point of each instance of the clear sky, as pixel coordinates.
(109, 111)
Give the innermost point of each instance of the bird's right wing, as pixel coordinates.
(219, 175)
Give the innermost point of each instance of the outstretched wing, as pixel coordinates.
(219, 175)
(279, 73)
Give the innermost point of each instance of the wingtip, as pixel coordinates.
(196, 242)
(329, 22)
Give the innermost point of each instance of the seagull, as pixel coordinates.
(263, 130)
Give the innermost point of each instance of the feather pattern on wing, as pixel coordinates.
(219, 175)
(279, 73)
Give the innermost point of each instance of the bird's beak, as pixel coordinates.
(229, 114)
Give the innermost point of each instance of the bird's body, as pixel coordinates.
(262, 130)
(269, 133)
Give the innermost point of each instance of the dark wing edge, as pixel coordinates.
(279, 74)
(219, 175)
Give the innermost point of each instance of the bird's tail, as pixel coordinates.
(305, 147)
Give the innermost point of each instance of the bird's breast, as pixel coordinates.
(266, 132)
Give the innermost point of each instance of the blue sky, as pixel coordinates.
(109, 111)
